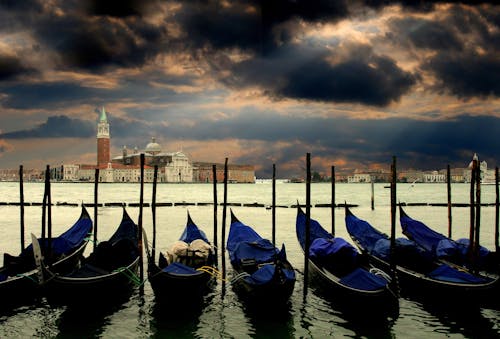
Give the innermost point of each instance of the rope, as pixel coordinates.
(28, 277)
(131, 275)
(212, 271)
(239, 277)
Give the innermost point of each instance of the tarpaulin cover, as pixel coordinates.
(261, 250)
(67, 241)
(192, 232)
(322, 248)
(262, 276)
(483, 251)
(436, 242)
(447, 273)
(363, 280)
(363, 232)
(316, 230)
(265, 274)
(420, 233)
(178, 268)
(127, 229)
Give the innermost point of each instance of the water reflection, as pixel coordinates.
(86, 320)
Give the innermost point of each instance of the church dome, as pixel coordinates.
(153, 147)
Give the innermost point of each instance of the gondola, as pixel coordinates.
(446, 249)
(262, 274)
(109, 271)
(419, 274)
(341, 272)
(186, 272)
(19, 274)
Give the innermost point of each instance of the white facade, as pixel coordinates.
(434, 176)
(359, 177)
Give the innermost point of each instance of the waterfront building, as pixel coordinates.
(174, 167)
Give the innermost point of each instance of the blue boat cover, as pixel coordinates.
(244, 243)
(315, 231)
(178, 268)
(323, 248)
(363, 280)
(192, 232)
(483, 251)
(261, 251)
(447, 273)
(364, 233)
(438, 244)
(126, 230)
(67, 241)
(265, 274)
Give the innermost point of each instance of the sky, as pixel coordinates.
(354, 83)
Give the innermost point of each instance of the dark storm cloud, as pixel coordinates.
(426, 34)
(466, 43)
(304, 72)
(118, 8)
(422, 144)
(49, 95)
(11, 67)
(59, 126)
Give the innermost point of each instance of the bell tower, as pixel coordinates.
(103, 154)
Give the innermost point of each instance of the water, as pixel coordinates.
(222, 315)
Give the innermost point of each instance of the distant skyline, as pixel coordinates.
(259, 82)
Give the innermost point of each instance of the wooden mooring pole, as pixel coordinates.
(448, 190)
(216, 246)
(273, 206)
(497, 204)
(393, 216)
(141, 202)
(333, 201)
(224, 214)
(308, 222)
(472, 206)
(153, 212)
(96, 185)
(21, 201)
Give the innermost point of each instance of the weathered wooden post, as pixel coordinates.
(308, 222)
(224, 213)
(216, 246)
(478, 218)
(497, 206)
(473, 167)
(153, 212)
(448, 186)
(21, 201)
(333, 201)
(96, 184)
(273, 206)
(393, 216)
(141, 202)
(373, 193)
